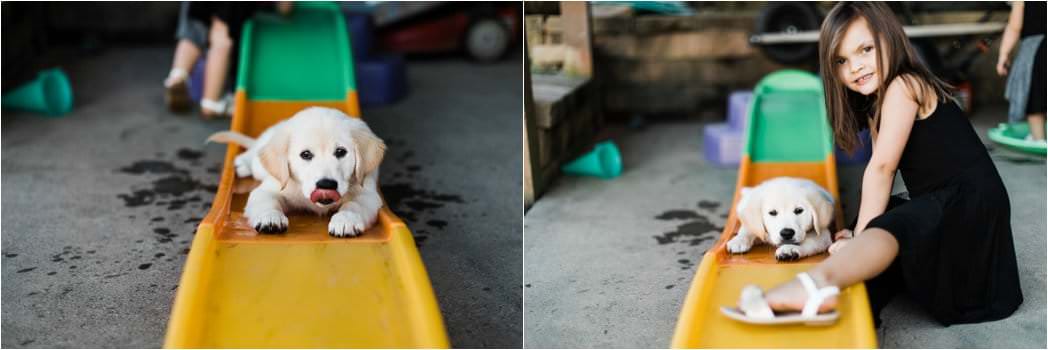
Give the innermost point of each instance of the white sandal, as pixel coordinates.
(753, 309)
(217, 109)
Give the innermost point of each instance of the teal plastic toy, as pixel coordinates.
(49, 94)
(604, 161)
(1014, 136)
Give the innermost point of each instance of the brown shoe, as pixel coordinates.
(177, 98)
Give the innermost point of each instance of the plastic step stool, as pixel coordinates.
(722, 144)
(862, 154)
(385, 79)
(738, 102)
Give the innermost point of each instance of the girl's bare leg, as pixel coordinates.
(1036, 125)
(186, 54)
(865, 257)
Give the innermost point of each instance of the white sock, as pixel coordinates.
(176, 75)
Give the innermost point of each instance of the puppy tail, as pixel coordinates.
(231, 137)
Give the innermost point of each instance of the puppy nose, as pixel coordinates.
(786, 233)
(327, 184)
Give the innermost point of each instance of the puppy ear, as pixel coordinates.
(369, 150)
(274, 158)
(751, 213)
(821, 210)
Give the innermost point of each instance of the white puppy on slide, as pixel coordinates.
(792, 214)
(319, 160)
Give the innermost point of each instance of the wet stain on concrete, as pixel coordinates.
(11, 255)
(404, 157)
(138, 198)
(152, 166)
(144, 266)
(670, 286)
(693, 232)
(421, 205)
(26, 270)
(708, 205)
(408, 201)
(177, 185)
(189, 154)
(679, 214)
(437, 223)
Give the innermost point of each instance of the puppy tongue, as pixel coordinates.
(322, 194)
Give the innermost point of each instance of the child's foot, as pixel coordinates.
(211, 109)
(176, 93)
(791, 296)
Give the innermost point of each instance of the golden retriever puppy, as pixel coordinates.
(319, 160)
(792, 214)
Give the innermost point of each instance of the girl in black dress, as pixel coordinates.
(949, 246)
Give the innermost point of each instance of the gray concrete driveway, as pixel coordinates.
(607, 263)
(99, 207)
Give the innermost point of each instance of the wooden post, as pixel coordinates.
(575, 18)
(532, 168)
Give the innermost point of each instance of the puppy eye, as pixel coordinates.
(340, 152)
(773, 213)
(798, 211)
(307, 155)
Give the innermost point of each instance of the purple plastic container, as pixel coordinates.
(738, 102)
(381, 80)
(722, 144)
(196, 79)
(862, 155)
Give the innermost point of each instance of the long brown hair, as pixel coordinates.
(847, 109)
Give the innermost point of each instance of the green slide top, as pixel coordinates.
(296, 59)
(787, 119)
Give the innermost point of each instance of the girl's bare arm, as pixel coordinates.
(897, 116)
(1010, 37)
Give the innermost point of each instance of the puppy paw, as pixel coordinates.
(739, 245)
(242, 165)
(346, 224)
(788, 252)
(270, 222)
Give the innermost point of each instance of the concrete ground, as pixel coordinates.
(607, 264)
(101, 205)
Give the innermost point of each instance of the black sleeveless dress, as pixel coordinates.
(956, 256)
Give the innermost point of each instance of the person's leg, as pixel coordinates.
(186, 54)
(1035, 101)
(866, 256)
(1036, 125)
(217, 64)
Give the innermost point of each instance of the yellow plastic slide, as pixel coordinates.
(303, 288)
(787, 135)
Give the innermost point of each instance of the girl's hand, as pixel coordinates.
(842, 238)
(838, 245)
(843, 234)
(1002, 66)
